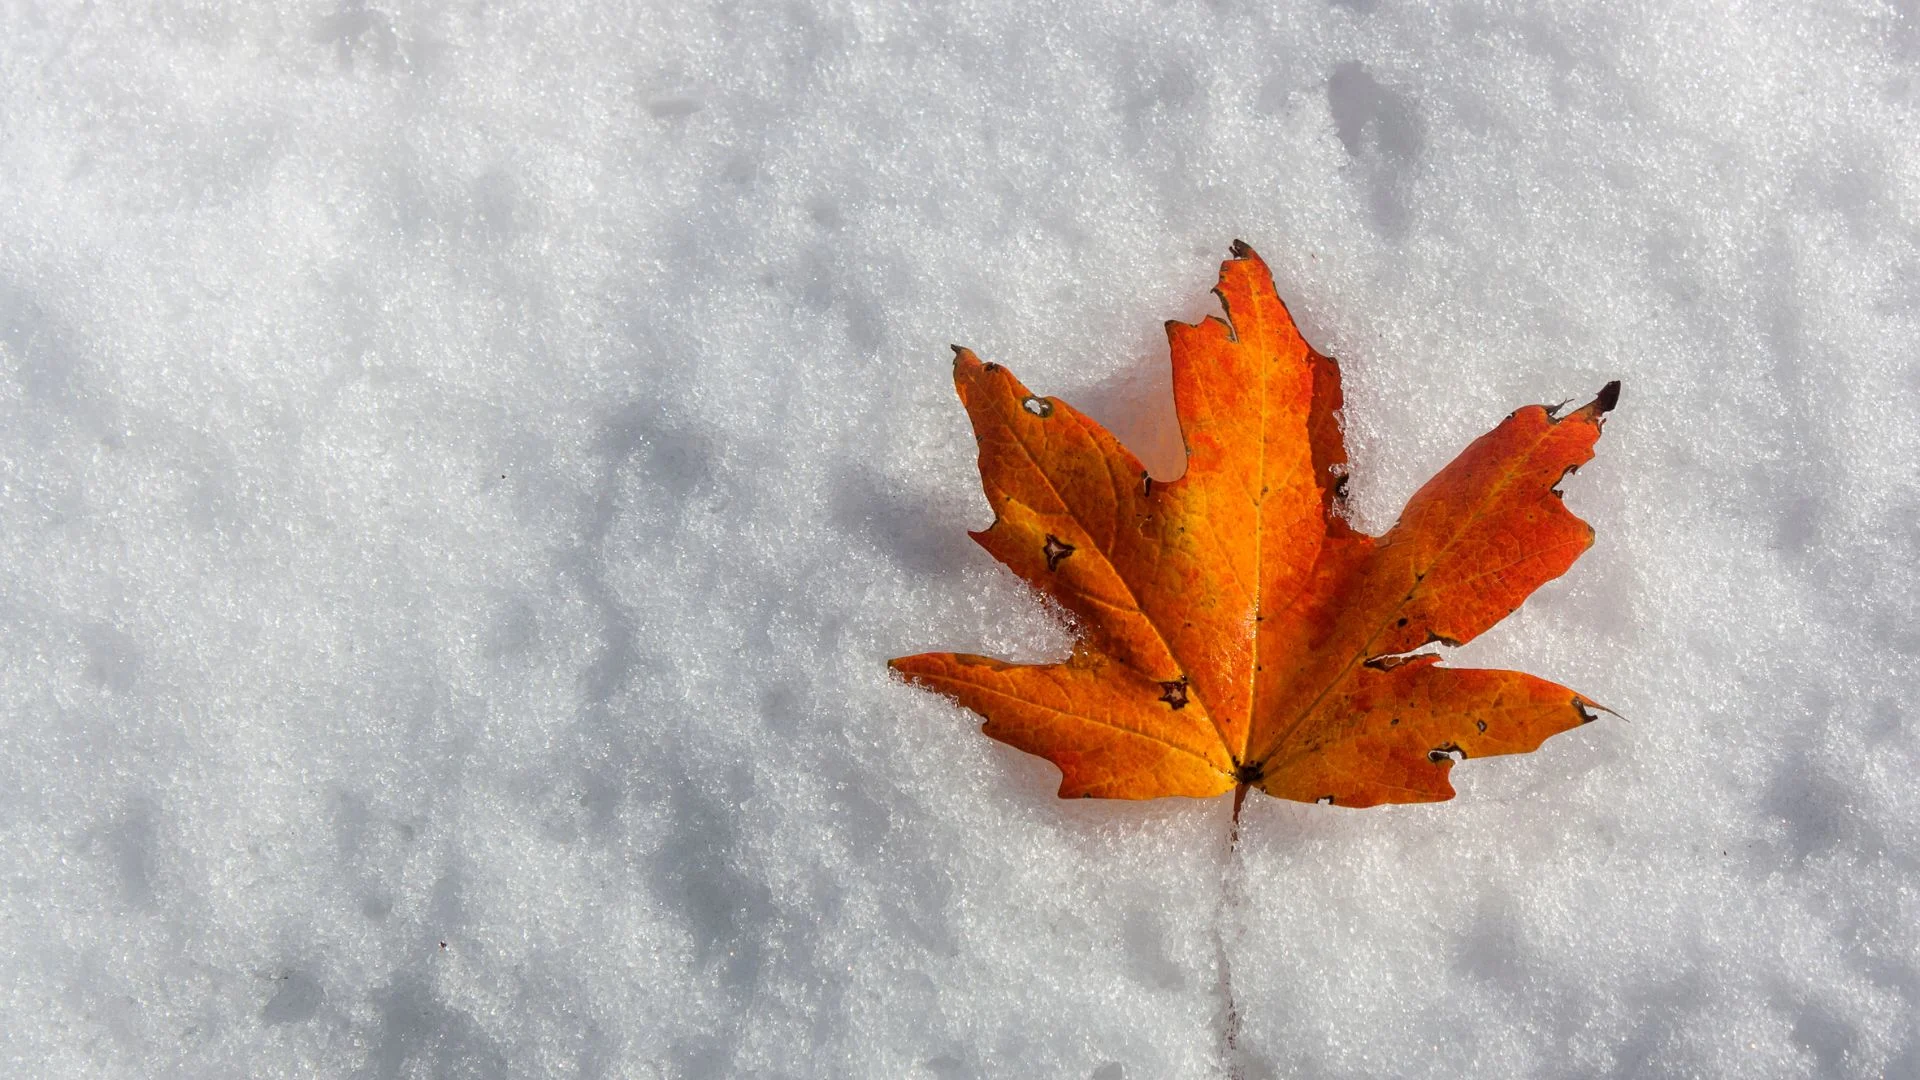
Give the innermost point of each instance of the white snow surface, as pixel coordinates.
(463, 467)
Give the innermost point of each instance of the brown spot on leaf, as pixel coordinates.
(1055, 549)
(1175, 693)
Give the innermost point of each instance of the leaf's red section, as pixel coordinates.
(1392, 735)
(1234, 628)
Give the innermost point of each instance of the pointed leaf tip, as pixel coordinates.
(965, 362)
(1608, 397)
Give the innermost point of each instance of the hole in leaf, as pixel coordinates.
(1394, 660)
(1447, 752)
(1038, 406)
(1055, 549)
(1175, 693)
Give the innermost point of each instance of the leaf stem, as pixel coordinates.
(1230, 882)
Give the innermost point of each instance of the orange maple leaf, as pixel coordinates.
(1234, 629)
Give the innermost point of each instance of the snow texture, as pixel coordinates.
(462, 467)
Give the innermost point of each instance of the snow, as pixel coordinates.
(463, 466)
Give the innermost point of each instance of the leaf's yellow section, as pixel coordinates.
(1109, 729)
(1052, 473)
(1393, 735)
(1243, 388)
(1164, 577)
(1233, 626)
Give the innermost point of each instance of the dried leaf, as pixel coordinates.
(1235, 630)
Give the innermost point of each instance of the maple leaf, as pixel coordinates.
(1234, 629)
